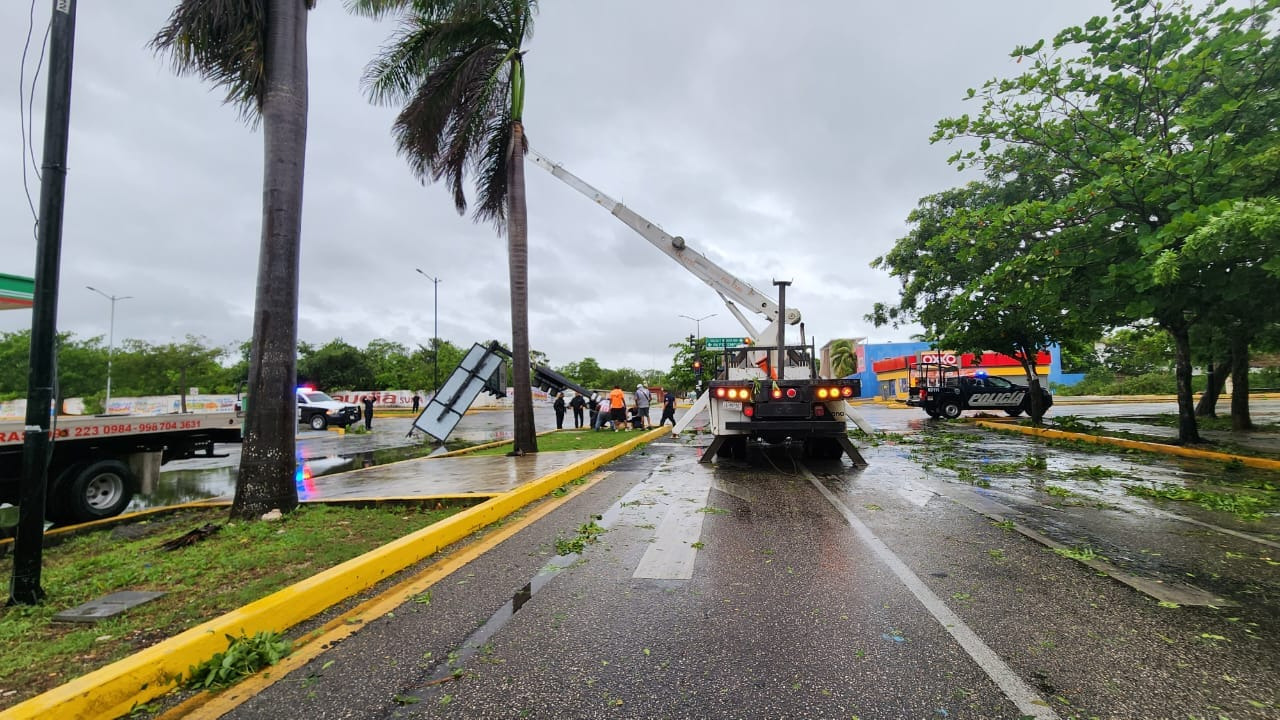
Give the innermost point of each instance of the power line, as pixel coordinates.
(27, 128)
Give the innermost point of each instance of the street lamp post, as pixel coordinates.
(698, 330)
(435, 327)
(698, 322)
(111, 338)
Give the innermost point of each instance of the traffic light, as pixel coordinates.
(697, 367)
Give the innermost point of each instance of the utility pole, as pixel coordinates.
(435, 327)
(24, 589)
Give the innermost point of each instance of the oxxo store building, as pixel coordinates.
(893, 375)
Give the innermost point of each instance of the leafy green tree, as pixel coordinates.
(1137, 350)
(140, 368)
(458, 67)
(15, 356)
(422, 364)
(682, 376)
(1143, 120)
(586, 372)
(976, 271)
(390, 363)
(257, 50)
(337, 366)
(1232, 259)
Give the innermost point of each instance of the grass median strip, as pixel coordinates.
(225, 570)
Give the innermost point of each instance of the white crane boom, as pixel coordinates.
(730, 288)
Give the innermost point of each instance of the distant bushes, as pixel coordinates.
(1104, 382)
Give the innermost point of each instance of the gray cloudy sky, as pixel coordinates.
(784, 140)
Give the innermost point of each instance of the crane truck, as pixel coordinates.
(766, 391)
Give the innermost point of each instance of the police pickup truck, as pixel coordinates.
(949, 395)
(318, 411)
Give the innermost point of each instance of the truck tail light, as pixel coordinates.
(846, 391)
(819, 410)
(776, 393)
(749, 410)
(791, 393)
(719, 392)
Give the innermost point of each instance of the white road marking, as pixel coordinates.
(671, 554)
(1021, 694)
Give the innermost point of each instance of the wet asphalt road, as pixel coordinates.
(776, 590)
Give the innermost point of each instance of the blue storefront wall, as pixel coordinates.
(868, 354)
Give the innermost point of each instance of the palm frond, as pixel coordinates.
(224, 42)
(379, 9)
(491, 174)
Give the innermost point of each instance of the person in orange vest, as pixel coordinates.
(617, 408)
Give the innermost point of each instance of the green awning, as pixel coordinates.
(16, 291)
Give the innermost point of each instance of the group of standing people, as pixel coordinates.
(611, 409)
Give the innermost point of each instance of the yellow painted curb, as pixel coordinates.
(1264, 463)
(111, 691)
(210, 706)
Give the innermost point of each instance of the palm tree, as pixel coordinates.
(257, 50)
(458, 69)
(843, 361)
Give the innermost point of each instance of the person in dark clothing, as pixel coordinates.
(416, 401)
(368, 411)
(559, 408)
(668, 409)
(577, 403)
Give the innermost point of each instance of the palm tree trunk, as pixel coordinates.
(267, 460)
(526, 440)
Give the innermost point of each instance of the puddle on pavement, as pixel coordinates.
(182, 486)
(972, 456)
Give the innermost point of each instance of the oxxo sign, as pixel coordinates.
(933, 358)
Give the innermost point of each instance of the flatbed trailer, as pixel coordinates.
(91, 475)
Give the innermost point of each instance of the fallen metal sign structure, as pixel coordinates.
(479, 371)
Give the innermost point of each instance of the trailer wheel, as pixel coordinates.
(102, 489)
(319, 421)
(951, 409)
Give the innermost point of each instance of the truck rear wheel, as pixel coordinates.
(951, 410)
(102, 489)
(319, 421)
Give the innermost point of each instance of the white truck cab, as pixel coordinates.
(318, 411)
